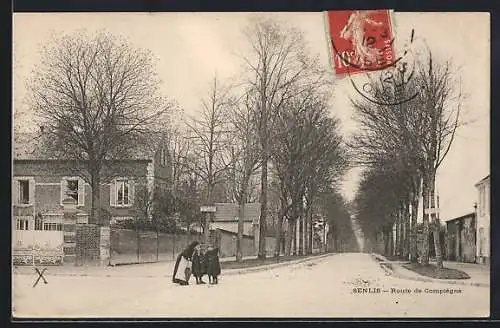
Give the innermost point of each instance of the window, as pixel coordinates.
(24, 192)
(72, 191)
(121, 192)
(39, 222)
(117, 219)
(22, 224)
(52, 226)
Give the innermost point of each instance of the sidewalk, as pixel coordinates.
(479, 273)
(145, 270)
(154, 269)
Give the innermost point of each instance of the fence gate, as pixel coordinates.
(87, 240)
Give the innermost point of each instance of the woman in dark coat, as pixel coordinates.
(182, 277)
(213, 265)
(198, 267)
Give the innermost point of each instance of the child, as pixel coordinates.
(213, 265)
(198, 265)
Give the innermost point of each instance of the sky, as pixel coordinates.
(192, 48)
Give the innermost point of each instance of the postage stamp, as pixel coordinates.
(362, 40)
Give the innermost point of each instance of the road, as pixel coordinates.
(323, 288)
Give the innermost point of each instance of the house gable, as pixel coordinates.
(228, 212)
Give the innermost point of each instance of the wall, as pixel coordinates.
(451, 241)
(461, 240)
(227, 244)
(483, 244)
(130, 246)
(48, 247)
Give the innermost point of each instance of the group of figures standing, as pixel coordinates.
(193, 260)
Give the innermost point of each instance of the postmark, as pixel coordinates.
(363, 42)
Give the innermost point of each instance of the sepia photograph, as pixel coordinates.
(251, 165)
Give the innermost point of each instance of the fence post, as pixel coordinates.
(173, 246)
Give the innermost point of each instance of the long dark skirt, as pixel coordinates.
(198, 267)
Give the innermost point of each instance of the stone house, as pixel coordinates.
(50, 197)
(483, 221)
(461, 238)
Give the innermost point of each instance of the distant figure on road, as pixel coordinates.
(183, 263)
(198, 267)
(213, 265)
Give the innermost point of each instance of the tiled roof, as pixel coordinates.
(483, 180)
(229, 211)
(28, 146)
(461, 217)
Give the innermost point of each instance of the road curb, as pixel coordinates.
(230, 272)
(227, 272)
(396, 272)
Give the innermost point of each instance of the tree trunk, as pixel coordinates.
(311, 232)
(425, 196)
(95, 210)
(279, 230)
(241, 217)
(401, 231)
(301, 235)
(263, 206)
(435, 225)
(387, 237)
(413, 228)
(394, 250)
(288, 237)
(406, 249)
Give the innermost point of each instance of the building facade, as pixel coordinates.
(50, 197)
(461, 239)
(483, 221)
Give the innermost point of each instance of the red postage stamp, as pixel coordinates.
(362, 40)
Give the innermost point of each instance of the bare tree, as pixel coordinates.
(245, 158)
(209, 158)
(276, 61)
(413, 122)
(308, 157)
(441, 98)
(98, 99)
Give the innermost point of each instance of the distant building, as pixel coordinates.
(461, 238)
(226, 218)
(483, 221)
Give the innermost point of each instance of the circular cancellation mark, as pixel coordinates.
(373, 55)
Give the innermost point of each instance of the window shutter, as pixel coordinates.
(81, 192)
(15, 191)
(63, 185)
(112, 193)
(131, 188)
(32, 191)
